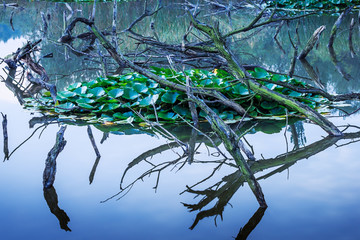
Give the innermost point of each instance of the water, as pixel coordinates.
(315, 196)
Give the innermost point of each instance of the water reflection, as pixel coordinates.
(214, 194)
(51, 199)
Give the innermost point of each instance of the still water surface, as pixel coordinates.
(315, 198)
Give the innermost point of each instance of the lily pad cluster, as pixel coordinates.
(335, 5)
(118, 98)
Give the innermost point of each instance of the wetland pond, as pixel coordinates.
(143, 186)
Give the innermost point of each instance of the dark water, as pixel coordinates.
(314, 194)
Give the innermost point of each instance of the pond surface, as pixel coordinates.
(312, 188)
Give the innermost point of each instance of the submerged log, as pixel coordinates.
(50, 163)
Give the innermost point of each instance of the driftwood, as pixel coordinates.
(6, 137)
(50, 163)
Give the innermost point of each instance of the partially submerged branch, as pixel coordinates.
(50, 164)
(231, 142)
(6, 137)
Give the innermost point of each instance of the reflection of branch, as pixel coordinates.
(92, 140)
(223, 194)
(93, 170)
(337, 25)
(31, 135)
(251, 224)
(311, 72)
(232, 182)
(301, 153)
(50, 164)
(147, 154)
(155, 169)
(146, 13)
(51, 199)
(338, 66)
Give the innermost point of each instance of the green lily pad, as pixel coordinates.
(80, 90)
(167, 115)
(85, 105)
(85, 100)
(115, 93)
(169, 97)
(140, 87)
(124, 115)
(98, 91)
(65, 107)
(260, 73)
(66, 94)
(74, 86)
(269, 105)
(130, 93)
(240, 89)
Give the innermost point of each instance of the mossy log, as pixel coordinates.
(239, 72)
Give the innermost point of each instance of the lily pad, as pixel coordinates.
(130, 93)
(269, 105)
(98, 91)
(169, 97)
(115, 93)
(140, 87)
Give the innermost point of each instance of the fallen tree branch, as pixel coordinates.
(239, 72)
